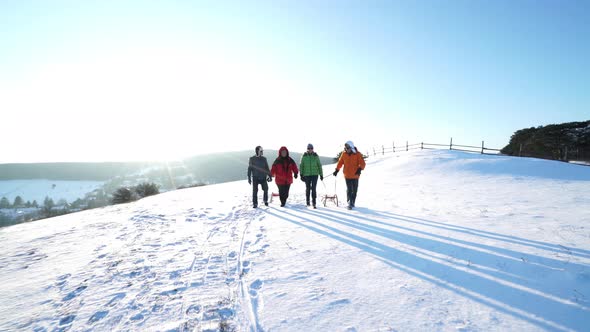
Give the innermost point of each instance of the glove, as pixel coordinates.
(269, 178)
(358, 171)
(335, 173)
(295, 175)
(303, 178)
(249, 180)
(321, 178)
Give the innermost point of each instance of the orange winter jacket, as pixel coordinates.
(351, 162)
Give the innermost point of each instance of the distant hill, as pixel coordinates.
(69, 171)
(224, 167)
(209, 168)
(566, 141)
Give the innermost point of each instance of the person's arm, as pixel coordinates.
(362, 163)
(340, 161)
(302, 164)
(319, 162)
(294, 168)
(273, 170)
(267, 169)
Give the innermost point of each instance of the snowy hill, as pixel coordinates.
(441, 241)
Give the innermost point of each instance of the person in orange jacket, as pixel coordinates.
(353, 165)
(284, 169)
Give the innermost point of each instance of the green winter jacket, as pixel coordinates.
(310, 165)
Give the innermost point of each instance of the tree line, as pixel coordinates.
(95, 199)
(565, 141)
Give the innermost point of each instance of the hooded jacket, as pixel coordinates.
(352, 161)
(284, 168)
(310, 164)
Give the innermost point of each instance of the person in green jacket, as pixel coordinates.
(310, 168)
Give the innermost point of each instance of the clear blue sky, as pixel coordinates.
(85, 80)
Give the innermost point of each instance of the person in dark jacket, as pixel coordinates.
(310, 168)
(284, 169)
(258, 174)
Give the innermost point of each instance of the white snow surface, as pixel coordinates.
(439, 241)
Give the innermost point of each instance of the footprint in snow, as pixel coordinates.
(257, 284)
(137, 317)
(74, 293)
(193, 309)
(339, 302)
(255, 287)
(118, 297)
(67, 320)
(97, 316)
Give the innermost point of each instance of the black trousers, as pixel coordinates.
(311, 183)
(284, 193)
(264, 184)
(352, 186)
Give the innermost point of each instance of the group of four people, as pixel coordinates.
(284, 169)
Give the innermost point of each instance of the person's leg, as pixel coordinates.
(307, 188)
(314, 184)
(282, 194)
(355, 187)
(348, 191)
(254, 192)
(265, 190)
(287, 192)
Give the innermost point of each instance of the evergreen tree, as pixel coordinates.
(35, 204)
(147, 189)
(48, 206)
(18, 202)
(122, 195)
(4, 203)
(77, 204)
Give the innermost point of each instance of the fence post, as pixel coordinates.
(422, 146)
(451, 146)
(406, 146)
(383, 149)
(374, 153)
(393, 146)
(481, 147)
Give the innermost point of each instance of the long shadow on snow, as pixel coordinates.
(507, 259)
(559, 249)
(555, 314)
(539, 261)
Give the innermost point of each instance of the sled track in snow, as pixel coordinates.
(250, 307)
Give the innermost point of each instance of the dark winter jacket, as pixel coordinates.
(310, 164)
(258, 168)
(284, 168)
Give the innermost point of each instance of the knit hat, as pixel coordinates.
(310, 146)
(352, 147)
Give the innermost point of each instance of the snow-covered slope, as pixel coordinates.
(440, 241)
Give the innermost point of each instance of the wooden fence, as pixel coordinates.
(431, 146)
